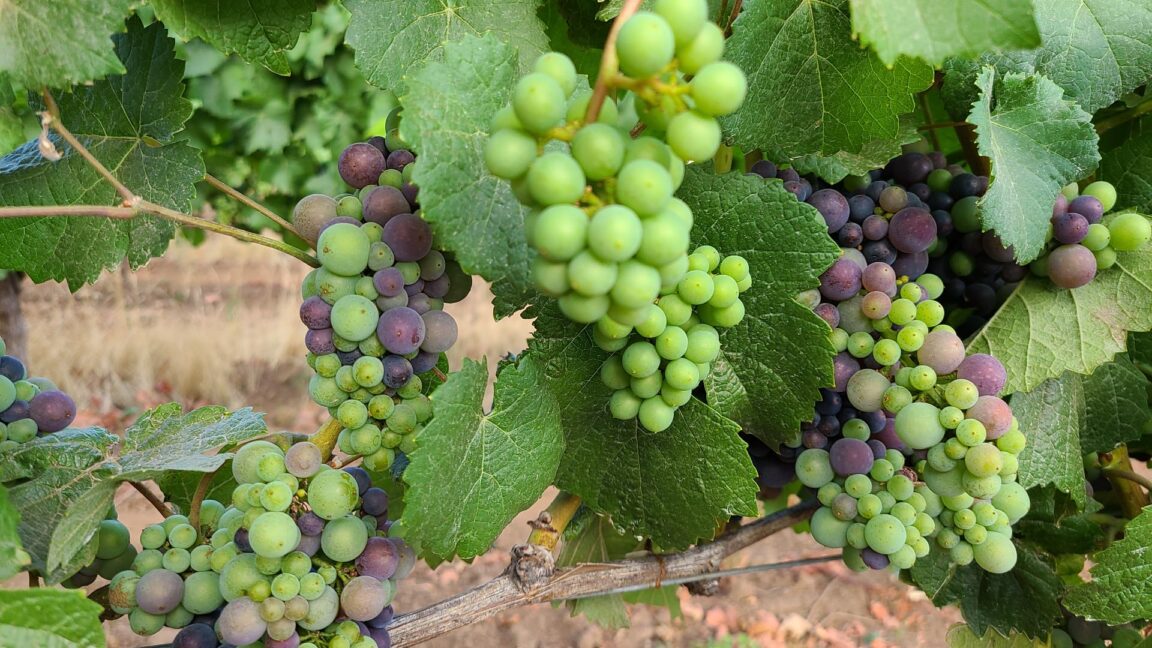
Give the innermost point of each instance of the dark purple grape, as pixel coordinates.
(400, 159)
(841, 281)
(1013, 272)
(389, 282)
(860, 207)
(795, 188)
(832, 206)
(424, 361)
(920, 190)
(310, 524)
(873, 559)
(363, 480)
(888, 435)
(874, 228)
(375, 502)
(241, 540)
(420, 303)
(850, 236)
(850, 457)
(159, 591)
(349, 357)
(844, 366)
(939, 161)
(964, 185)
(383, 203)
(319, 341)
(196, 635)
(912, 230)
(401, 330)
(411, 194)
(309, 545)
(1060, 206)
(829, 426)
(383, 619)
(879, 251)
(910, 265)
(813, 440)
(773, 472)
(875, 189)
(381, 637)
(982, 297)
(985, 371)
(409, 237)
(12, 369)
(397, 371)
(379, 142)
(52, 410)
(440, 331)
(379, 559)
(830, 402)
(878, 449)
(828, 313)
(1071, 266)
(1087, 206)
(1069, 227)
(788, 175)
(764, 169)
(16, 411)
(996, 249)
(909, 168)
(944, 225)
(972, 243)
(414, 288)
(939, 200)
(437, 288)
(361, 164)
(316, 313)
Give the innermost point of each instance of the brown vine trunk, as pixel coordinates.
(13, 328)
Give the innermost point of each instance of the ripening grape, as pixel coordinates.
(539, 102)
(159, 591)
(311, 214)
(645, 45)
(719, 89)
(828, 530)
(693, 136)
(1071, 266)
(342, 248)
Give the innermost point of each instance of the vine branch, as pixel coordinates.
(51, 118)
(736, 6)
(1108, 123)
(1117, 468)
(202, 488)
(608, 62)
(589, 579)
(152, 498)
(244, 199)
(967, 134)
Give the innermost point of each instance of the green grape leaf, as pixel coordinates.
(780, 353)
(1121, 587)
(73, 621)
(1050, 417)
(472, 472)
(575, 33)
(833, 168)
(807, 74)
(392, 38)
(1042, 331)
(180, 487)
(1038, 141)
(166, 439)
(80, 522)
(60, 43)
(1129, 168)
(591, 538)
(962, 636)
(934, 30)
(1055, 526)
(130, 124)
(259, 31)
(13, 558)
(472, 212)
(1115, 406)
(1024, 600)
(673, 486)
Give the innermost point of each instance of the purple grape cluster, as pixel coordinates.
(29, 407)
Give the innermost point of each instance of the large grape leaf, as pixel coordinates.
(780, 353)
(1056, 525)
(166, 439)
(129, 122)
(1038, 141)
(49, 618)
(811, 89)
(1129, 168)
(472, 472)
(1042, 331)
(672, 486)
(934, 30)
(449, 106)
(962, 636)
(258, 30)
(1121, 587)
(1024, 600)
(13, 558)
(61, 42)
(1115, 406)
(394, 37)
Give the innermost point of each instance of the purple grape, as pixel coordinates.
(788, 175)
(812, 439)
(379, 142)
(912, 230)
(241, 540)
(240, 621)
(1013, 272)
(830, 403)
(994, 413)
(415, 287)
(12, 369)
(400, 158)
(293, 641)
(874, 190)
(309, 545)
(16, 411)
(795, 188)
(389, 282)
(943, 351)
(860, 207)
(828, 313)
(964, 185)
(397, 371)
(909, 168)
(850, 236)
(411, 194)
(841, 281)
(910, 265)
(920, 190)
(440, 331)
(420, 303)
(424, 361)
(984, 371)
(383, 619)
(363, 480)
(360, 165)
(316, 313)
(832, 206)
(938, 200)
(196, 635)
(349, 357)
(939, 161)
(1071, 266)
(383, 203)
(881, 251)
(1069, 227)
(878, 448)
(829, 426)
(874, 228)
(375, 501)
(380, 636)
(1087, 206)
(159, 591)
(310, 524)
(888, 435)
(850, 457)
(764, 169)
(996, 249)
(873, 559)
(944, 224)
(52, 410)
(844, 367)
(409, 237)
(879, 277)
(773, 472)
(379, 558)
(319, 341)
(876, 305)
(982, 297)
(438, 287)
(401, 330)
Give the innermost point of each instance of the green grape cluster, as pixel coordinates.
(658, 362)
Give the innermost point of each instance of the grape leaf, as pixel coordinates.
(1042, 331)
(166, 439)
(591, 538)
(575, 33)
(13, 558)
(180, 487)
(59, 43)
(1023, 600)
(807, 77)
(673, 486)
(1038, 141)
(962, 636)
(472, 212)
(1115, 406)
(779, 353)
(1055, 526)
(1121, 587)
(75, 529)
(934, 30)
(833, 168)
(259, 31)
(74, 621)
(1050, 417)
(1129, 168)
(472, 472)
(394, 37)
(129, 123)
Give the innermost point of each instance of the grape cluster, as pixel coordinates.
(657, 363)
(1078, 632)
(374, 309)
(301, 558)
(29, 407)
(114, 553)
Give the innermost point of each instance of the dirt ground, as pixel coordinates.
(218, 324)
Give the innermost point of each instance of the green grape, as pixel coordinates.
(343, 249)
(655, 322)
(813, 468)
(735, 267)
(327, 365)
(368, 371)
(1102, 191)
(181, 536)
(599, 148)
(961, 393)
(344, 538)
(380, 256)
(1129, 231)
(885, 534)
(856, 429)
(591, 276)
(971, 433)
(902, 312)
(611, 329)
(693, 136)
(703, 344)
(352, 414)
(839, 339)
(1013, 500)
(550, 278)
(828, 492)
(656, 415)
(672, 343)
(725, 293)
(827, 530)
(637, 285)
(954, 449)
(612, 373)
(903, 558)
(982, 487)
(887, 353)
(560, 68)
(706, 47)
(176, 560)
(697, 287)
(153, 536)
(910, 339)
(1098, 237)
(539, 103)
(381, 407)
(869, 506)
(555, 178)
(951, 417)
(922, 378)
(672, 273)
(560, 232)
(645, 45)
(882, 470)
(996, 555)
(983, 460)
(245, 464)
(274, 534)
(726, 317)
(676, 310)
(1105, 258)
(866, 390)
(857, 485)
(946, 483)
(932, 285)
(608, 344)
(930, 312)
(624, 405)
(202, 593)
(648, 386)
(895, 398)
(628, 315)
(685, 17)
(664, 240)
(719, 88)
(644, 186)
(641, 359)
(578, 108)
(901, 487)
(333, 494)
(682, 374)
